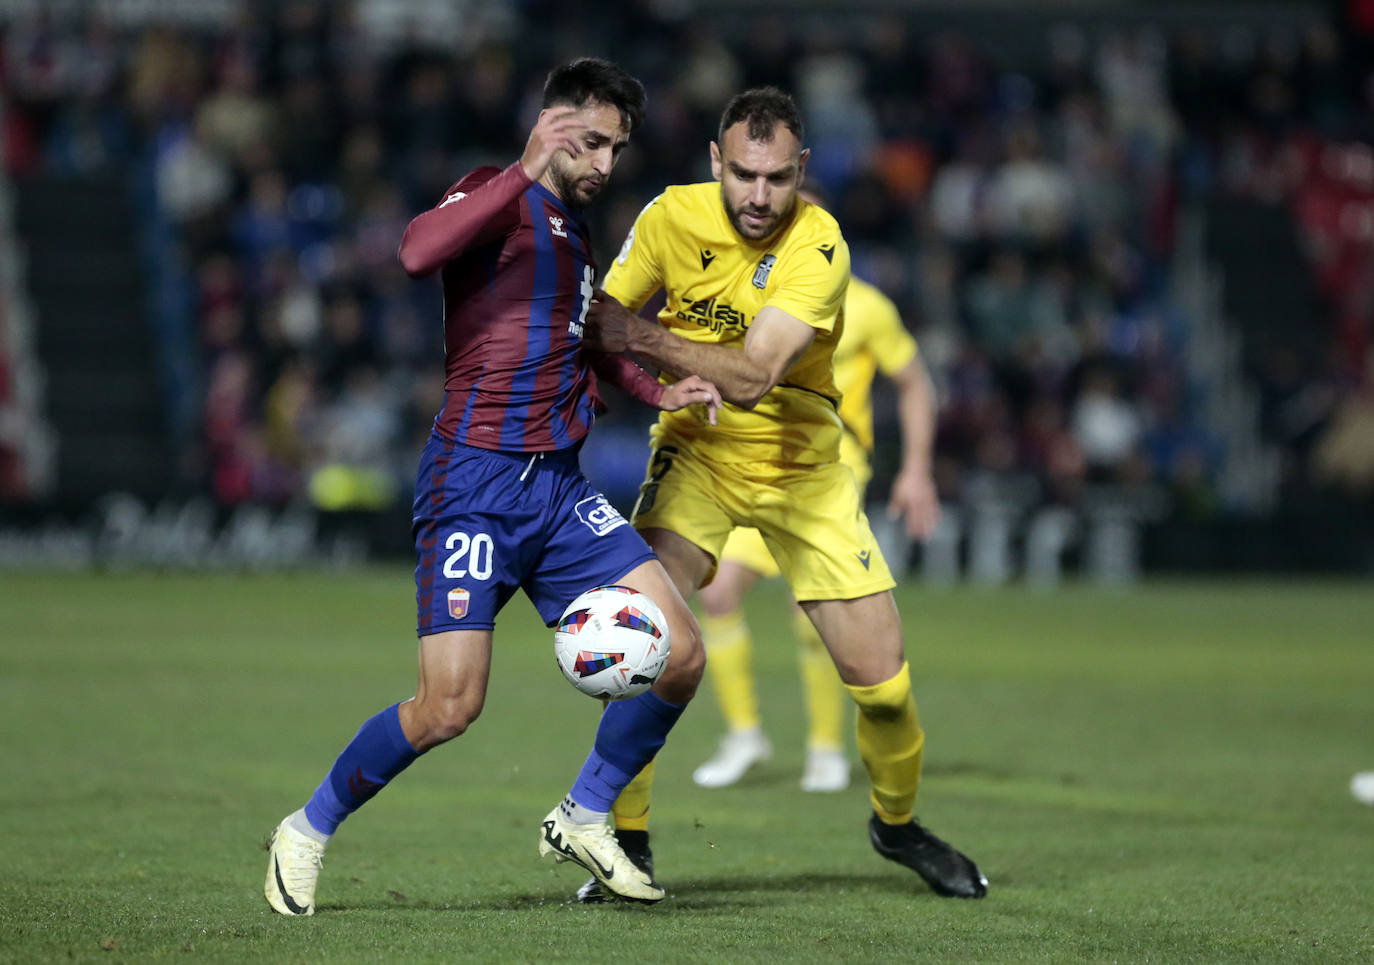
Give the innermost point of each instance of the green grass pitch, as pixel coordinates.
(1154, 775)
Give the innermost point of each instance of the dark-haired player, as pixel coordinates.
(500, 503)
(755, 280)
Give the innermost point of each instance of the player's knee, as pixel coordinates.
(686, 664)
(448, 717)
(882, 710)
(889, 699)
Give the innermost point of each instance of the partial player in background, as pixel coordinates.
(874, 340)
(500, 502)
(755, 282)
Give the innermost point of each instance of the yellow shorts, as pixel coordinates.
(745, 546)
(810, 517)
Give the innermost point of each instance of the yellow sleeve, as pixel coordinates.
(890, 342)
(813, 286)
(637, 271)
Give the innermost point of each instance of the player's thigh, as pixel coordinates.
(475, 536)
(685, 655)
(687, 565)
(863, 635)
(585, 543)
(690, 497)
(451, 690)
(855, 456)
(814, 526)
(734, 578)
(454, 664)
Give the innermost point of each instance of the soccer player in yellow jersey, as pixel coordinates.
(755, 280)
(874, 340)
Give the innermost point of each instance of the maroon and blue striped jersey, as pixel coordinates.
(517, 271)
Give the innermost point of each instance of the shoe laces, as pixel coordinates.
(305, 858)
(605, 840)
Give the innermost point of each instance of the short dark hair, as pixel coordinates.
(591, 79)
(763, 109)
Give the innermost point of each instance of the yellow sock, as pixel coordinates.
(631, 809)
(890, 743)
(821, 687)
(730, 665)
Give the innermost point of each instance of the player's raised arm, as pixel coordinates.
(557, 129)
(743, 375)
(469, 213)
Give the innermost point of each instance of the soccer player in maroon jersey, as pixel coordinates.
(500, 503)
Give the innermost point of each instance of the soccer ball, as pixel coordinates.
(612, 642)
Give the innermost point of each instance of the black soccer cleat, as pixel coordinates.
(635, 844)
(948, 872)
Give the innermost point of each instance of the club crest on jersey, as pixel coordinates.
(458, 602)
(766, 264)
(599, 515)
(556, 223)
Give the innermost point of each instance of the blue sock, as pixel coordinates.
(630, 734)
(376, 754)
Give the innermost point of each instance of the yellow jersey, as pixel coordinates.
(874, 340)
(716, 283)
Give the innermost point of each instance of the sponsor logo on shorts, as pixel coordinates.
(600, 516)
(863, 558)
(458, 602)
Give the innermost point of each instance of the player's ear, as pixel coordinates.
(716, 166)
(801, 166)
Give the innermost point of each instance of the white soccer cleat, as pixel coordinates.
(739, 751)
(1362, 787)
(294, 861)
(594, 847)
(826, 770)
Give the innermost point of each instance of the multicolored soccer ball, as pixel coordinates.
(612, 642)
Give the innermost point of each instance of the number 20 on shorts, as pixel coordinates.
(470, 556)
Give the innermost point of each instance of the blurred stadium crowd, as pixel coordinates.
(1025, 218)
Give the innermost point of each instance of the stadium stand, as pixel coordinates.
(1136, 253)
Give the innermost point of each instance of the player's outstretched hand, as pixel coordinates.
(558, 129)
(608, 323)
(914, 498)
(690, 390)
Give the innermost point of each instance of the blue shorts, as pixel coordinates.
(488, 522)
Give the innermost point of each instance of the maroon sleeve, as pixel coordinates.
(621, 370)
(469, 214)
